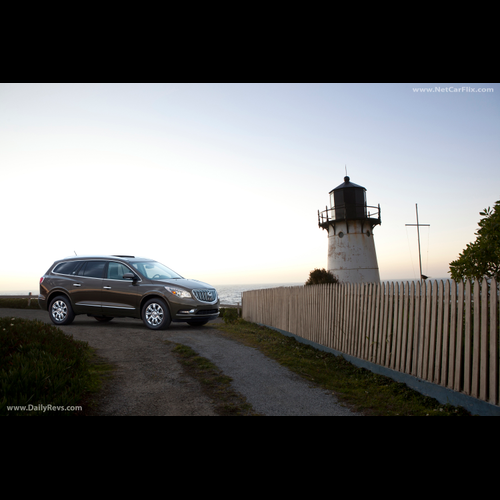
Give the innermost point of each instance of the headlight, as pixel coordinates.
(183, 294)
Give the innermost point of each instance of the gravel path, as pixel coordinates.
(150, 381)
(269, 387)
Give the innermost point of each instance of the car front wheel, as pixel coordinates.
(155, 314)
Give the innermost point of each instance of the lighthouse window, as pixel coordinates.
(341, 234)
(339, 197)
(360, 197)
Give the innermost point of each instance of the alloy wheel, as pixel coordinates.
(154, 314)
(59, 310)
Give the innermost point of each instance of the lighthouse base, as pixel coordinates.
(351, 255)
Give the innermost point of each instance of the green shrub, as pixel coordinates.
(231, 315)
(18, 303)
(320, 276)
(40, 365)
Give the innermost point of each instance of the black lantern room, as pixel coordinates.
(348, 202)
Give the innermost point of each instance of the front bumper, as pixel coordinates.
(196, 313)
(189, 309)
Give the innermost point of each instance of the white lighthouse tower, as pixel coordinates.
(350, 222)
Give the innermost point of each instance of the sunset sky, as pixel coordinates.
(222, 182)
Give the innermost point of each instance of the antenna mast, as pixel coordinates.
(418, 233)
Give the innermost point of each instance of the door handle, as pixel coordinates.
(107, 287)
(77, 284)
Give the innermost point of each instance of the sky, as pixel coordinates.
(223, 182)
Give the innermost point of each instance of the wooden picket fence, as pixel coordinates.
(446, 333)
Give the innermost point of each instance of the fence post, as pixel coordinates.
(383, 324)
(446, 334)
(416, 330)
(375, 315)
(421, 330)
(493, 396)
(431, 359)
(459, 355)
(439, 333)
(468, 338)
(483, 375)
(476, 343)
(399, 332)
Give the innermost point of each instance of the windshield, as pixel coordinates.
(155, 271)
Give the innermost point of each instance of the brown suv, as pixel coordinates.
(106, 287)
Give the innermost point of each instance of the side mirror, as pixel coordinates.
(130, 276)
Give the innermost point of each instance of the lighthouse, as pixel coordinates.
(350, 222)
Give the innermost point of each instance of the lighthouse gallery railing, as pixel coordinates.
(350, 212)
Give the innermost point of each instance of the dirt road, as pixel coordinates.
(150, 381)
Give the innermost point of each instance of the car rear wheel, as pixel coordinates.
(155, 314)
(61, 312)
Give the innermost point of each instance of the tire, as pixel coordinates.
(155, 314)
(197, 322)
(60, 310)
(102, 319)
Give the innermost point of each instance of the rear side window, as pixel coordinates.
(67, 267)
(92, 269)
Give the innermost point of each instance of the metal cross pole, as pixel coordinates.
(418, 233)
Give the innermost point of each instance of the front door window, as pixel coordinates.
(116, 271)
(120, 296)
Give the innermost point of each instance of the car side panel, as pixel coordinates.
(120, 298)
(86, 295)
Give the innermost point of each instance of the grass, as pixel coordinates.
(40, 366)
(18, 303)
(357, 388)
(214, 383)
(100, 372)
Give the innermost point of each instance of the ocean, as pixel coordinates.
(231, 294)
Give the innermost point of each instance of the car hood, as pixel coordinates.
(186, 283)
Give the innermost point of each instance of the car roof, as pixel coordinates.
(127, 258)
